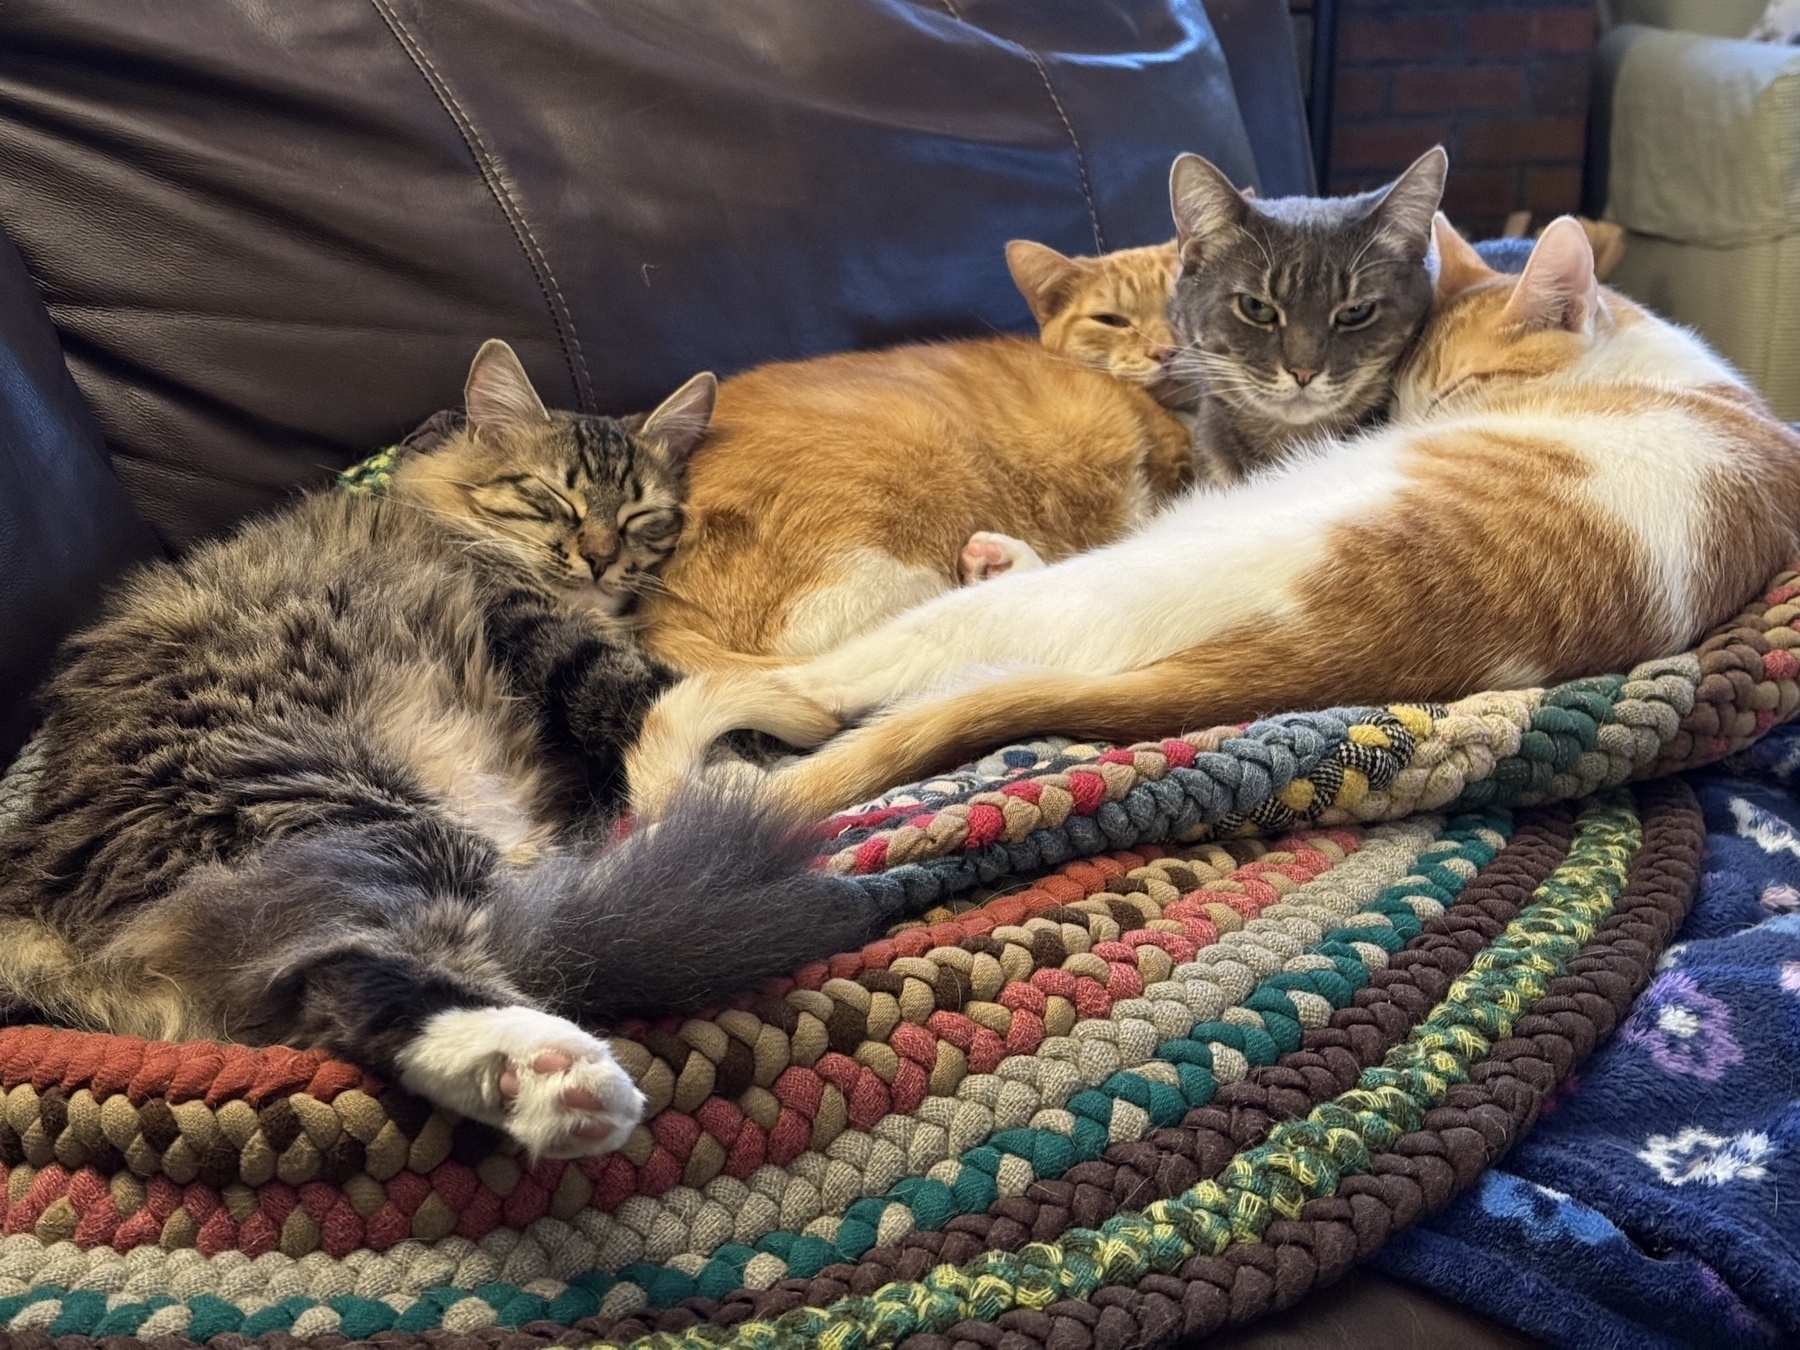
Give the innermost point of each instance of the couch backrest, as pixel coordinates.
(271, 236)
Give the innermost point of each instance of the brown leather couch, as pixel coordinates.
(267, 237)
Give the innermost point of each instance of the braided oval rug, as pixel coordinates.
(1181, 1032)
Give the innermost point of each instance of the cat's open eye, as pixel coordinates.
(1111, 320)
(1355, 316)
(1257, 311)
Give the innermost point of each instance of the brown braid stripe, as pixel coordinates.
(1168, 1161)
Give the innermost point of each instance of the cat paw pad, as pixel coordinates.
(562, 1102)
(989, 555)
(545, 1081)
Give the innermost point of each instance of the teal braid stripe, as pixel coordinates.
(1300, 1160)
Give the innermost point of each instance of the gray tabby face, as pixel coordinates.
(588, 504)
(1296, 311)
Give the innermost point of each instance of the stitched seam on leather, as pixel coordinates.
(1037, 61)
(487, 167)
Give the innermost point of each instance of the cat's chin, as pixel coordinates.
(1305, 409)
(603, 603)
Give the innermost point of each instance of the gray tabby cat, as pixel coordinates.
(1294, 312)
(342, 780)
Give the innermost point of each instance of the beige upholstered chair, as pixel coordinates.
(1696, 142)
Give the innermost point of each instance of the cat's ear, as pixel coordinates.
(1042, 275)
(1403, 216)
(498, 393)
(1458, 265)
(1207, 207)
(1557, 289)
(680, 420)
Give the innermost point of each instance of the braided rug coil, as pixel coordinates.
(1274, 993)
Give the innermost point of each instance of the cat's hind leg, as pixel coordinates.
(990, 555)
(389, 945)
(543, 1080)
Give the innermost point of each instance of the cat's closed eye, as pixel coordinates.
(1257, 310)
(522, 499)
(653, 527)
(1111, 320)
(1355, 316)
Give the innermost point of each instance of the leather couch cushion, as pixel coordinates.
(272, 236)
(66, 528)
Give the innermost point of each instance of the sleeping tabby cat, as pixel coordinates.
(340, 779)
(1569, 485)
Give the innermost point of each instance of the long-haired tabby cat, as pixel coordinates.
(1569, 485)
(340, 780)
(835, 493)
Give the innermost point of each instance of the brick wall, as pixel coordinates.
(1502, 84)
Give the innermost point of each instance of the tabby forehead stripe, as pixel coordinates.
(1301, 1159)
(258, 1317)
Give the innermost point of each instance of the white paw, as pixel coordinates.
(546, 1082)
(988, 555)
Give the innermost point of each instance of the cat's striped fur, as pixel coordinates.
(344, 779)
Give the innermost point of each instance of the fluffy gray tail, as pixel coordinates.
(686, 914)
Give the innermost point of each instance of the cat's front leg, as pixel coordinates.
(598, 706)
(589, 683)
(991, 555)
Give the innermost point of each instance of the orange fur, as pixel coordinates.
(1109, 313)
(1489, 566)
(833, 493)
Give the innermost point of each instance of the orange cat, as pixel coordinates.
(1569, 485)
(834, 493)
(1109, 314)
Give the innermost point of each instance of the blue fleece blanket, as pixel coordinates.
(1658, 1204)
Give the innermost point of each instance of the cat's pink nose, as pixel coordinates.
(1162, 355)
(598, 562)
(1303, 375)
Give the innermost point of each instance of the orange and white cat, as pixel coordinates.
(832, 494)
(1568, 485)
